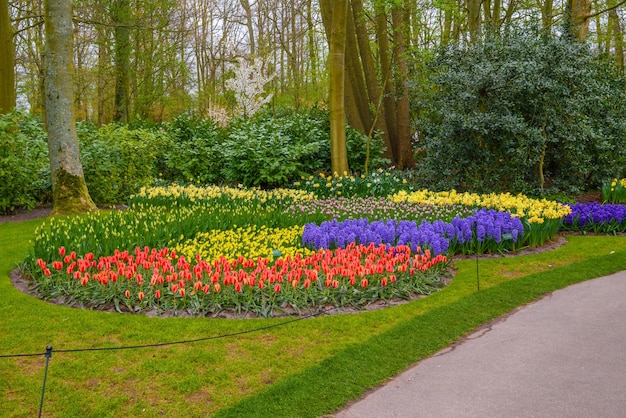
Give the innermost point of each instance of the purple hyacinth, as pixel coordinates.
(586, 215)
(439, 236)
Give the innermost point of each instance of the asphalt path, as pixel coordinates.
(561, 356)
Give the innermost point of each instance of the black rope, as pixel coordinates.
(129, 347)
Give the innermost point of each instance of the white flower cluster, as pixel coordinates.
(248, 85)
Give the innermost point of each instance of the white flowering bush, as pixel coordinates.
(248, 84)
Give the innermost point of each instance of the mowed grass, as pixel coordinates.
(255, 367)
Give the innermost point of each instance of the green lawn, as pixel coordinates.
(308, 367)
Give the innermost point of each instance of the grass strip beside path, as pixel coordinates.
(326, 387)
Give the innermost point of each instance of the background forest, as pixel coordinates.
(490, 95)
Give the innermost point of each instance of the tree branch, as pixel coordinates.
(589, 16)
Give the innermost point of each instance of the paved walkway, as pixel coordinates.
(561, 356)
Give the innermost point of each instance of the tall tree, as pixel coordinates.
(400, 19)
(577, 16)
(337, 49)
(473, 19)
(618, 36)
(69, 190)
(120, 16)
(7, 63)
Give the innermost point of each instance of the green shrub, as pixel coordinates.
(257, 152)
(522, 112)
(118, 161)
(313, 125)
(191, 153)
(24, 164)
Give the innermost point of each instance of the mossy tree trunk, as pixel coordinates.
(69, 190)
(7, 67)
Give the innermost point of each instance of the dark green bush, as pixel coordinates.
(524, 113)
(24, 166)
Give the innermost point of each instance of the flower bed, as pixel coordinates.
(342, 208)
(596, 217)
(542, 218)
(614, 191)
(251, 233)
(160, 279)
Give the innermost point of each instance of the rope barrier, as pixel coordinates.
(168, 343)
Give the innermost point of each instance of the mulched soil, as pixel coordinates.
(22, 215)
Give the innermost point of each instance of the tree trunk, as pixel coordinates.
(7, 63)
(386, 71)
(579, 11)
(362, 119)
(473, 19)
(311, 45)
(337, 46)
(121, 14)
(495, 15)
(546, 14)
(245, 4)
(69, 190)
(369, 71)
(405, 157)
(447, 25)
(618, 38)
